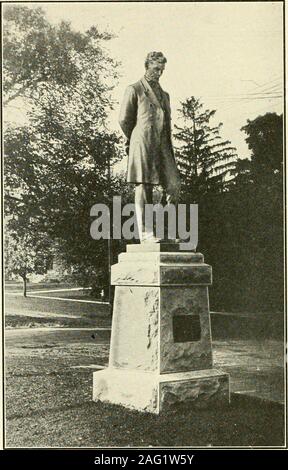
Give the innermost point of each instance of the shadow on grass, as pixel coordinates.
(22, 321)
(246, 422)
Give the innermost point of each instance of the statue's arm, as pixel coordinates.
(168, 98)
(128, 112)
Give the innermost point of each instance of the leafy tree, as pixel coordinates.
(241, 173)
(27, 250)
(265, 140)
(58, 164)
(35, 52)
(249, 275)
(204, 158)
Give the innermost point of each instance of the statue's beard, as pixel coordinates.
(152, 76)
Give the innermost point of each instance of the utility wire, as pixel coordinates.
(269, 82)
(249, 98)
(259, 90)
(248, 101)
(268, 92)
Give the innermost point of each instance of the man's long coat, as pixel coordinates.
(142, 120)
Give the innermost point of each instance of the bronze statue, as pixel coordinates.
(145, 119)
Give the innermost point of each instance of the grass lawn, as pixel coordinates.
(22, 321)
(28, 312)
(49, 390)
(48, 404)
(17, 286)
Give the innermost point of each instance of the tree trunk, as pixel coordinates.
(24, 286)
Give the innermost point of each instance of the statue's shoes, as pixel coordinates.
(150, 238)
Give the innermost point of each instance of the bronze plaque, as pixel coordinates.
(186, 328)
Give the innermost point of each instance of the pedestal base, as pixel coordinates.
(153, 393)
(161, 348)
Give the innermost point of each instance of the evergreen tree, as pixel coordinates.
(204, 158)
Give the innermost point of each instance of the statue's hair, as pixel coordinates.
(155, 56)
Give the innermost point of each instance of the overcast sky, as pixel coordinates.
(230, 54)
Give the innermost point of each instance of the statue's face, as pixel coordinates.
(155, 70)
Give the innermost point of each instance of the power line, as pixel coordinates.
(235, 99)
(265, 88)
(270, 91)
(253, 98)
(280, 84)
(248, 101)
(269, 82)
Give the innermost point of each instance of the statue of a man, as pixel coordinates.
(145, 119)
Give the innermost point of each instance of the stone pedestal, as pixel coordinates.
(160, 352)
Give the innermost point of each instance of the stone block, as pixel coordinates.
(161, 349)
(187, 355)
(160, 269)
(142, 334)
(154, 247)
(135, 328)
(155, 393)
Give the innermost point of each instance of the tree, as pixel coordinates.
(35, 52)
(27, 250)
(250, 235)
(241, 173)
(57, 165)
(204, 158)
(265, 140)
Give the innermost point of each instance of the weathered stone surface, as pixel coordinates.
(143, 273)
(186, 275)
(135, 328)
(202, 391)
(180, 258)
(132, 389)
(184, 356)
(150, 366)
(163, 258)
(152, 392)
(131, 274)
(142, 330)
(155, 247)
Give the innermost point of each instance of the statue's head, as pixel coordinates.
(155, 65)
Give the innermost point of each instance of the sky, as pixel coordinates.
(228, 54)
